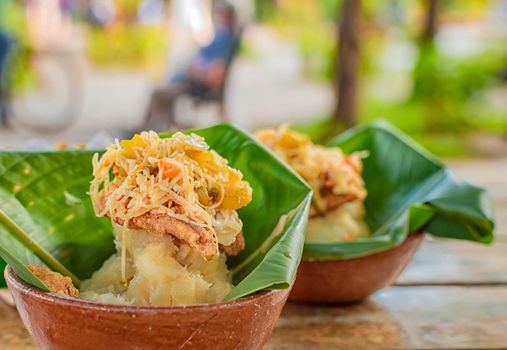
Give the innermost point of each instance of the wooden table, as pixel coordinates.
(452, 295)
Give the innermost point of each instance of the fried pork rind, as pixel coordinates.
(196, 237)
(55, 282)
(236, 247)
(175, 186)
(334, 177)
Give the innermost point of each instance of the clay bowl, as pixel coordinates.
(58, 322)
(351, 280)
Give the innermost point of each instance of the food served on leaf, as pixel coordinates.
(175, 226)
(337, 211)
(173, 206)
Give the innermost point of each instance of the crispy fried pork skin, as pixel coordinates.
(333, 202)
(196, 237)
(55, 282)
(235, 247)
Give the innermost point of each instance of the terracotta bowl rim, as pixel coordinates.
(338, 259)
(24, 288)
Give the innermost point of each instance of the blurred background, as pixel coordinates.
(85, 71)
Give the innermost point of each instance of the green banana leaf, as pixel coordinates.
(45, 194)
(408, 190)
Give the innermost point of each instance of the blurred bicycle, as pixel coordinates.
(42, 82)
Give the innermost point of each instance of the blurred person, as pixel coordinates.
(206, 71)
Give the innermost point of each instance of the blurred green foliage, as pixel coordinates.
(450, 89)
(446, 97)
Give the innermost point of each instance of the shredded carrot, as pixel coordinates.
(169, 170)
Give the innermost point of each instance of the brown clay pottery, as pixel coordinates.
(351, 280)
(58, 322)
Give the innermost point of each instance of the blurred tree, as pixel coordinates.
(426, 77)
(347, 64)
(430, 27)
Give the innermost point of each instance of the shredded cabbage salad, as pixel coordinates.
(179, 176)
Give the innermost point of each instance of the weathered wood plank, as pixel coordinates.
(13, 335)
(6, 297)
(440, 261)
(400, 317)
(500, 213)
(489, 173)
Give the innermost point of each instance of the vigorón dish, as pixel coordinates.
(337, 211)
(172, 203)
